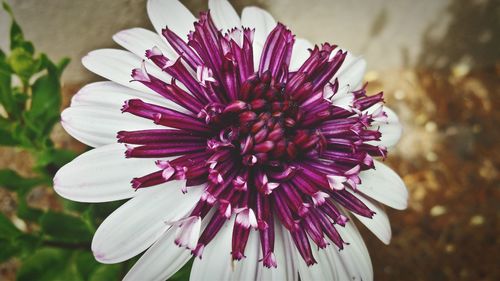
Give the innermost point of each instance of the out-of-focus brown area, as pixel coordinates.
(449, 159)
(449, 155)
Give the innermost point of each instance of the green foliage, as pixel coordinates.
(7, 228)
(106, 272)
(16, 34)
(75, 230)
(6, 97)
(22, 63)
(31, 106)
(11, 180)
(50, 160)
(44, 264)
(51, 264)
(13, 241)
(56, 244)
(85, 264)
(8, 235)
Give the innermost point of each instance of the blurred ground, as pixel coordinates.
(449, 155)
(449, 160)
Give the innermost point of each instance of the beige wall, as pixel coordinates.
(388, 33)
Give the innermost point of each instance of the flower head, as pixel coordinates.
(238, 143)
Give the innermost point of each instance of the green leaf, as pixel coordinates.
(16, 34)
(20, 134)
(106, 272)
(13, 241)
(54, 157)
(8, 249)
(24, 211)
(26, 244)
(89, 218)
(22, 63)
(51, 264)
(7, 229)
(45, 100)
(85, 263)
(6, 132)
(11, 180)
(70, 273)
(46, 264)
(61, 66)
(21, 245)
(6, 98)
(15, 30)
(74, 206)
(28, 213)
(65, 228)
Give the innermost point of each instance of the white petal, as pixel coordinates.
(343, 99)
(138, 223)
(340, 265)
(339, 270)
(336, 182)
(112, 96)
(187, 232)
(117, 65)
(325, 267)
(261, 20)
(257, 51)
(171, 13)
(247, 268)
(138, 40)
(223, 14)
(163, 259)
(286, 258)
(379, 224)
(331, 265)
(216, 262)
(355, 256)
(391, 129)
(263, 23)
(351, 72)
(96, 127)
(102, 174)
(300, 53)
(95, 114)
(160, 261)
(384, 185)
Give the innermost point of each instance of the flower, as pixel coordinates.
(237, 143)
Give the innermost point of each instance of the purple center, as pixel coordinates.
(262, 125)
(273, 147)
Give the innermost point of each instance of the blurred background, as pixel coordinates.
(438, 62)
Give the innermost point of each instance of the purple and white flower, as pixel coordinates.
(236, 143)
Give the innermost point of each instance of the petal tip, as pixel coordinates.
(100, 257)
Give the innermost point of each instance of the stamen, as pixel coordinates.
(188, 232)
(302, 242)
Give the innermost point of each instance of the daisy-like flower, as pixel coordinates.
(238, 144)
